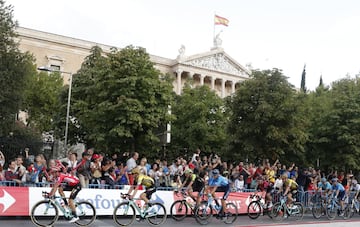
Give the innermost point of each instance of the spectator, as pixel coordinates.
(131, 164)
(12, 174)
(166, 172)
(95, 167)
(39, 169)
(239, 184)
(20, 168)
(2, 159)
(142, 166)
(83, 169)
(2, 173)
(122, 174)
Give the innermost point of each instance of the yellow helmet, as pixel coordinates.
(135, 171)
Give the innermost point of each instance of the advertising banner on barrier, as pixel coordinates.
(14, 201)
(18, 201)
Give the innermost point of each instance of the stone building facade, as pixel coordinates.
(214, 68)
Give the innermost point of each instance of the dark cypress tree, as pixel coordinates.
(302, 86)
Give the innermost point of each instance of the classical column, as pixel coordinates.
(233, 87)
(222, 88)
(202, 79)
(178, 79)
(212, 83)
(191, 75)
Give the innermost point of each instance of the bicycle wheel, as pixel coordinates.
(86, 212)
(254, 210)
(231, 213)
(44, 213)
(278, 211)
(298, 211)
(331, 211)
(317, 210)
(203, 213)
(156, 214)
(348, 212)
(124, 214)
(178, 210)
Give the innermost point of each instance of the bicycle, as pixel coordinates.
(334, 208)
(46, 211)
(280, 210)
(354, 207)
(180, 208)
(257, 207)
(204, 212)
(319, 206)
(126, 212)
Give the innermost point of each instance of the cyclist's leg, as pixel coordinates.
(146, 196)
(227, 191)
(61, 192)
(74, 192)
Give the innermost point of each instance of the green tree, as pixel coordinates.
(119, 100)
(335, 133)
(200, 121)
(15, 68)
(42, 101)
(264, 122)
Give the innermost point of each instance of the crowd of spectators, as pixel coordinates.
(95, 169)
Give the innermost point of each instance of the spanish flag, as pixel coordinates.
(221, 21)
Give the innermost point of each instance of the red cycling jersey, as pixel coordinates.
(68, 179)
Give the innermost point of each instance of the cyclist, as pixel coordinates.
(70, 183)
(355, 186)
(220, 184)
(193, 183)
(339, 193)
(290, 189)
(146, 181)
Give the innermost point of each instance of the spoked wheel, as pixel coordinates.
(231, 213)
(331, 212)
(318, 210)
(203, 213)
(298, 211)
(254, 210)
(124, 214)
(86, 212)
(278, 211)
(348, 212)
(44, 213)
(178, 210)
(156, 214)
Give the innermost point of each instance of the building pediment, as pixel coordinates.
(216, 60)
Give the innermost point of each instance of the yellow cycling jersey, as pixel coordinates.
(290, 182)
(144, 180)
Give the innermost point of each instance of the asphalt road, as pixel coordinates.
(241, 221)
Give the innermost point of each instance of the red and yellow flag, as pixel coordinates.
(221, 21)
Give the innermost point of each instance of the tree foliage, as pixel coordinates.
(200, 121)
(335, 125)
(119, 101)
(15, 68)
(264, 122)
(42, 101)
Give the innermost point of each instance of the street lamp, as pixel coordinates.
(47, 69)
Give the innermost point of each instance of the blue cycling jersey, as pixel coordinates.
(220, 181)
(339, 187)
(324, 186)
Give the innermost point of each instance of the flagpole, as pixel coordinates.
(214, 27)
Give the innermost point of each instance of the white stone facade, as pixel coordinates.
(214, 68)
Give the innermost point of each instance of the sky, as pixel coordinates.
(324, 35)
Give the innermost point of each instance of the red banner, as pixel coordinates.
(14, 201)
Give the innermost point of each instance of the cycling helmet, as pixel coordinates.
(334, 180)
(215, 172)
(188, 171)
(54, 169)
(354, 182)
